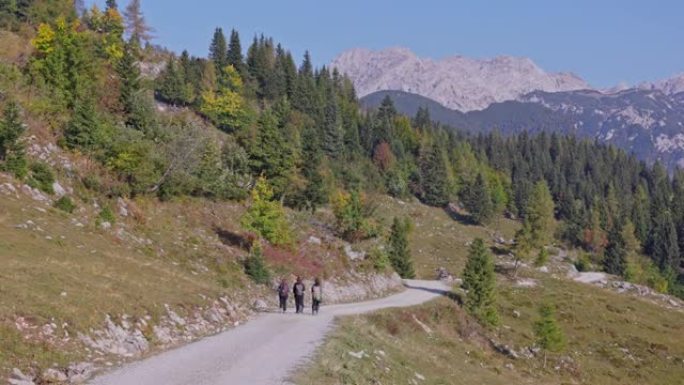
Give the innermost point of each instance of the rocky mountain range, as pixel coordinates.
(513, 94)
(457, 82)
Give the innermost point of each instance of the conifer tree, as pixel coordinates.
(136, 26)
(434, 176)
(81, 130)
(398, 248)
(234, 55)
(12, 151)
(663, 243)
(218, 50)
(111, 4)
(615, 255)
(477, 200)
(480, 283)
(550, 337)
(315, 193)
(540, 215)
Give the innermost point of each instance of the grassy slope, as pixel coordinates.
(612, 338)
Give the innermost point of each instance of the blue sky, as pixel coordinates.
(604, 41)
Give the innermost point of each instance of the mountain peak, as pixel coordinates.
(458, 82)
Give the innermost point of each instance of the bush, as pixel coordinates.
(353, 217)
(106, 215)
(583, 263)
(266, 216)
(379, 259)
(41, 177)
(255, 266)
(65, 204)
(542, 258)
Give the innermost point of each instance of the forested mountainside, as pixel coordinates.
(645, 122)
(301, 129)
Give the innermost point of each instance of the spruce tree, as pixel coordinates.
(434, 177)
(398, 248)
(234, 55)
(12, 151)
(81, 130)
(540, 215)
(550, 337)
(480, 282)
(615, 255)
(477, 200)
(218, 50)
(664, 246)
(315, 193)
(130, 87)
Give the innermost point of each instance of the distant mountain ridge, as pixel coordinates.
(647, 122)
(457, 82)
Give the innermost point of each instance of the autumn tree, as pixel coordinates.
(136, 26)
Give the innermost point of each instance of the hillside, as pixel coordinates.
(613, 336)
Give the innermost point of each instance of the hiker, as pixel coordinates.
(283, 293)
(316, 296)
(298, 289)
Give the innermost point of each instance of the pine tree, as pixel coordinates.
(664, 247)
(615, 255)
(270, 153)
(218, 51)
(477, 200)
(398, 248)
(434, 177)
(480, 282)
(540, 215)
(129, 75)
(315, 192)
(137, 27)
(550, 337)
(81, 130)
(12, 151)
(332, 127)
(234, 55)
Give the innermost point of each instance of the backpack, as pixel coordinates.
(299, 289)
(317, 292)
(283, 290)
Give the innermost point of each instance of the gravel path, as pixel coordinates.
(261, 352)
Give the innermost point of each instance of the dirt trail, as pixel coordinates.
(262, 352)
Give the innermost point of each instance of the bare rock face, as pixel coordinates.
(457, 82)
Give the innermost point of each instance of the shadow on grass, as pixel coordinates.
(458, 217)
(234, 239)
(456, 297)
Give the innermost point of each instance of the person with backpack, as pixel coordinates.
(283, 293)
(316, 296)
(298, 289)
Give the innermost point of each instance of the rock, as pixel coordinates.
(314, 240)
(353, 255)
(509, 366)
(419, 376)
(516, 314)
(59, 190)
(8, 189)
(260, 305)
(105, 225)
(526, 282)
(80, 372)
(54, 376)
(544, 269)
(443, 274)
(423, 326)
(358, 355)
(35, 194)
(122, 207)
(19, 378)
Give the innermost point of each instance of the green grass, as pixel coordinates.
(612, 339)
(437, 240)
